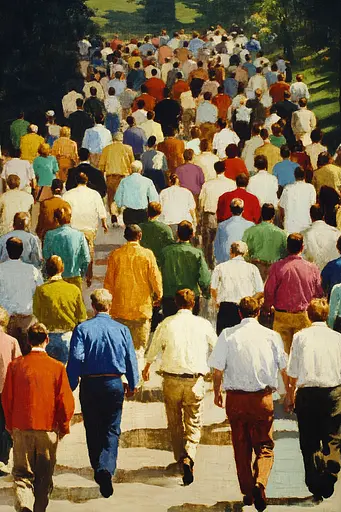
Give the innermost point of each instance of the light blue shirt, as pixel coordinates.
(195, 45)
(118, 85)
(136, 191)
(285, 172)
(96, 139)
(229, 231)
(32, 247)
(206, 113)
(334, 305)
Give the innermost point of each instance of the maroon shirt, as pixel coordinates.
(191, 177)
(251, 211)
(292, 283)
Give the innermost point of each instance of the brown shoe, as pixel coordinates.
(259, 497)
(188, 471)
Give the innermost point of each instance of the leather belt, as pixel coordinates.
(183, 375)
(292, 312)
(118, 375)
(266, 390)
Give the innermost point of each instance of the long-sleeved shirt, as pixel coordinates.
(191, 177)
(71, 245)
(136, 138)
(135, 191)
(319, 243)
(102, 346)
(12, 202)
(31, 250)
(266, 242)
(9, 350)
(229, 231)
(87, 208)
(251, 205)
(264, 186)
(59, 305)
(116, 159)
(291, 284)
(156, 236)
(331, 275)
(184, 266)
(206, 113)
(18, 282)
(37, 394)
(96, 139)
(133, 279)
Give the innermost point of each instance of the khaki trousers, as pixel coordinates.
(184, 409)
(139, 330)
(113, 181)
(34, 459)
(288, 324)
(17, 327)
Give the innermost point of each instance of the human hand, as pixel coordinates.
(218, 399)
(130, 393)
(145, 374)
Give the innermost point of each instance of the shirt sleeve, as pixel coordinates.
(293, 364)
(157, 342)
(84, 256)
(218, 358)
(38, 277)
(152, 193)
(81, 313)
(102, 214)
(65, 404)
(280, 354)
(119, 195)
(334, 305)
(132, 372)
(204, 277)
(7, 398)
(257, 280)
(155, 278)
(36, 255)
(76, 358)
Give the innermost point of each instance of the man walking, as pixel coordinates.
(247, 359)
(101, 352)
(38, 406)
(185, 342)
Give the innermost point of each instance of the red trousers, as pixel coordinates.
(251, 419)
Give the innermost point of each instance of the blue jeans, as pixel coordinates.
(5, 439)
(101, 401)
(59, 346)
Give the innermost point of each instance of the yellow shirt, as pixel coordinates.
(328, 175)
(116, 159)
(134, 280)
(29, 145)
(272, 153)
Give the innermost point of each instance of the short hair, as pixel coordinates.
(54, 265)
(131, 121)
(154, 209)
(174, 179)
(63, 215)
(338, 244)
(4, 317)
(44, 150)
(136, 166)
(249, 307)
(195, 132)
(219, 167)
(232, 151)
(185, 299)
(65, 131)
(112, 91)
(287, 95)
(242, 180)
(316, 135)
(151, 141)
(188, 155)
(276, 129)
(185, 230)
(207, 96)
(285, 151)
(137, 64)
(294, 243)
(268, 211)
(261, 162)
(237, 206)
(21, 220)
(150, 115)
(274, 67)
(83, 154)
(79, 102)
(299, 174)
(154, 72)
(14, 248)
(140, 104)
(323, 159)
(303, 102)
(221, 123)
(204, 145)
(99, 118)
(316, 212)
(37, 334)
(132, 232)
(258, 93)
(256, 127)
(280, 77)
(13, 181)
(259, 69)
(264, 133)
(81, 178)
(101, 299)
(57, 185)
(318, 310)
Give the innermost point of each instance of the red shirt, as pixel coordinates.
(115, 42)
(155, 87)
(222, 102)
(149, 102)
(178, 88)
(235, 166)
(276, 91)
(292, 283)
(251, 211)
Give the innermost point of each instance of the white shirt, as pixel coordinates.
(21, 168)
(206, 161)
(105, 52)
(315, 357)
(150, 128)
(148, 71)
(222, 139)
(264, 186)
(69, 102)
(113, 105)
(167, 66)
(212, 190)
(299, 90)
(176, 202)
(303, 121)
(87, 208)
(248, 154)
(243, 113)
(296, 200)
(235, 279)
(12, 202)
(195, 145)
(185, 341)
(98, 87)
(313, 150)
(187, 101)
(18, 282)
(260, 62)
(140, 116)
(250, 356)
(258, 81)
(187, 68)
(272, 119)
(320, 243)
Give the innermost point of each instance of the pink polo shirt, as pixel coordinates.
(9, 350)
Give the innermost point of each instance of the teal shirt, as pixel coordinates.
(266, 242)
(17, 129)
(71, 245)
(184, 266)
(45, 170)
(156, 236)
(278, 141)
(334, 305)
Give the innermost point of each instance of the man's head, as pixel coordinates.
(316, 135)
(136, 166)
(318, 310)
(207, 96)
(299, 78)
(295, 243)
(133, 233)
(14, 248)
(151, 142)
(154, 72)
(84, 154)
(255, 130)
(205, 145)
(185, 231)
(287, 95)
(54, 266)
(4, 319)
(268, 212)
(316, 212)
(232, 151)
(79, 103)
(221, 123)
(237, 206)
(131, 121)
(185, 299)
(112, 91)
(13, 181)
(299, 174)
(33, 128)
(323, 159)
(38, 335)
(154, 210)
(63, 215)
(219, 167)
(140, 104)
(285, 152)
(82, 179)
(101, 300)
(264, 134)
(188, 155)
(302, 102)
(249, 307)
(261, 162)
(93, 91)
(150, 115)
(22, 221)
(57, 187)
(242, 180)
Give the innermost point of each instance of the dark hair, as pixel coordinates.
(54, 265)
(338, 244)
(261, 162)
(287, 95)
(93, 91)
(130, 121)
(132, 232)
(185, 299)
(316, 135)
(299, 173)
(294, 243)
(79, 102)
(318, 310)
(221, 123)
(154, 72)
(188, 155)
(56, 185)
(264, 133)
(316, 212)
(323, 159)
(268, 211)
(150, 115)
(242, 180)
(140, 104)
(236, 209)
(285, 151)
(232, 151)
(204, 145)
(154, 209)
(81, 178)
(249, 307)
(83, 154)
(99, 118)
(63, 215)
(219, 167)
(185, 230)
(207, 96)
(14, 248)
(303, 102)
(173, 179)
(37, 334)
(276, 129)
(21, 220)
(151, 141)
(256, 127)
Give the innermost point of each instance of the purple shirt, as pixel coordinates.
(191, 177)
(136, 138)
(291, 284)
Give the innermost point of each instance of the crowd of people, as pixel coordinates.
(207, 153)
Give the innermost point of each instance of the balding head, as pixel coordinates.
(136, 166)
(238, 248)
(21, 221)
(237, 206)
(54, 266)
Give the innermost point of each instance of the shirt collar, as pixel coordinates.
(58, 277)
(102, 313)
(248, 321)
(184, 312)
(319, 324)
(238, 258)
(133, 243)
(37, 349)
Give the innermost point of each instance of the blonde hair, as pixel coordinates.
(101, 299)
(242, 101)
(44, 150)
(65, 132)
(4, 318)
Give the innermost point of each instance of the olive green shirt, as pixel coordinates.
(17, 129)
(266, 242)
(156, 236)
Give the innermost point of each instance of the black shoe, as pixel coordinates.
(259, 497)
(103, 478)
(327, 485)
(188, 471)
(114, 219)
(317, 499)
(247, 500)
(25, 509)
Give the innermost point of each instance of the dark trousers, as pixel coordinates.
(228, 316)
(319, 422)
(5, 439)
(131, 216)
(101, 401)
(169, 307)
(209, 231)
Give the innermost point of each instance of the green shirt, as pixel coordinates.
(156, 236)
(59, 305)
(278, 141)
(17, 129)
(184, 266)
(266, 242)
(45, 170)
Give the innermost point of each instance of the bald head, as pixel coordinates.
(238, 248)
(237, 206)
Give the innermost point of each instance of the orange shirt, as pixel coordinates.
(223, 103)
(173, 150)
(155, 87)
(198, 73)
(178, 88)
(37, 394)
(149, 102)
(235, 166)
(276, 91)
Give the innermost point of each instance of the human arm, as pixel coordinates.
(155, 279)
(7, 398)
(204, 280)
(154, 349)
(37, 305)
(132, 372)
(270, 289)
(334, 305)
(76, 358)
(65, 404)
(84, 255)
(152, 193)
(36, 256)
(80, 313)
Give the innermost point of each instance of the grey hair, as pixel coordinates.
(239, 248)
(136, 166)
(4, 318)
(101, 299)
